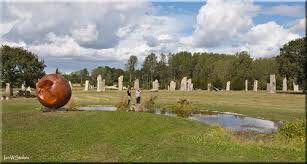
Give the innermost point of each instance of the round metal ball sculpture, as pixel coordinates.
(53, 91)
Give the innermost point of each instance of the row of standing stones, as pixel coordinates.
(186, 85)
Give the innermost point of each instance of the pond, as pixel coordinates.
(230, 121)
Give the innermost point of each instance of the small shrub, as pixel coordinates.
(295, 129)
(183, 108)
(123, 104)
(150, 104)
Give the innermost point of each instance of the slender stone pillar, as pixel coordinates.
(228, 86)
(272, 83)
(99, 83)
(284, 85)
(120, 82)
(209, 87)
(295, 87)
(255, 85)
(87, 85)
(183, 86)
(172, 86)
(7, 88)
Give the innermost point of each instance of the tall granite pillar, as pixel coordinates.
(284, 85)
(87, 85)
(120, 82)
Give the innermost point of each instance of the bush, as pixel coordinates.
(295, 129)
(150, 104)
(123, 104)
(183, 108)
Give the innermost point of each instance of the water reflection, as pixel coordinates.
(238, 123)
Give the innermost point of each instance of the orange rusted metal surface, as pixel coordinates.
(53, 91)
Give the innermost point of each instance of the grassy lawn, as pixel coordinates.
(130, 136)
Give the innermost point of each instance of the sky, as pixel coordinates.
(73, 35)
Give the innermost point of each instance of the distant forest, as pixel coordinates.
(206, 68)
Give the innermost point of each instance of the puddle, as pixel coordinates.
(229, 121)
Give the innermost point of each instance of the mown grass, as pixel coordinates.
(130, 136)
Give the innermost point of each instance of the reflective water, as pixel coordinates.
(229, 121)
(238, 123)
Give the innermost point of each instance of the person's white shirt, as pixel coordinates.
(138, 93)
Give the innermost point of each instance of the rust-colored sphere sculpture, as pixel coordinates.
(53, 91)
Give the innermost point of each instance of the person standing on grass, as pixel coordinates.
(129, 95)
(138, 96)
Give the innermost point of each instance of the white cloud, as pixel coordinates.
(227, 27)
(85, 34)
(112, 31)
(264, 40)
(298, 25)
(93, 25)
(218, 21)
(6, 27)
(286, 10)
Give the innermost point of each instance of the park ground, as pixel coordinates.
(136, 136)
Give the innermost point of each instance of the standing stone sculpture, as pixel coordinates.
(155, 85)
(255, 85)
(183, 86)
(87, 85)
(136, 84)
(228, 86)
(99, 83)
(120, 82)
(272, 83)
(246, 85)
(172, 86)
(268, 87)
(53, 91)
(284, 85)
(295, 87)
(29, 89)
(189, 85)
(7, 87)
(23, 87)
(209, 87)
(103, 85)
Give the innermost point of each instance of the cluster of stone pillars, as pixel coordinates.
(187, 85)
(100, 84)
(271, 86)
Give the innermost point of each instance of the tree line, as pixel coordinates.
(204, 68)
(19, 65)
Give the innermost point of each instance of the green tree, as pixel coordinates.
(84, 74)
(162, 71)
(241, 70)
(132, 61)
(149, 70)
(20, 65)
(292, 60)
